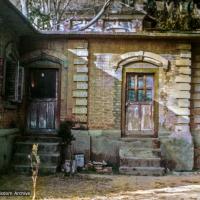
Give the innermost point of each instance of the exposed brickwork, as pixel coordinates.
(101, 91)
(195, 105)
(197, 158)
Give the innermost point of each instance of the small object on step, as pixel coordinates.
(105, 170)
(89, 166)
(74, 167)
(70, 166)
(103, 163)
(98, 167)
(67, 166)
(80, 160)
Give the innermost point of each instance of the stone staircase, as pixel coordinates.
(140, 156)
(48, 150)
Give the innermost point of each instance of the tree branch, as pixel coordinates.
(101, 12)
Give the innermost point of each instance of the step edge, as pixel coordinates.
(147, 148)
(136, 158)
(42, 166)
(142, 168)
(40, 154)
(39, 143)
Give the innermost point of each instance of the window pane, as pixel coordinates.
(149, 95)
(140, 95)
(131, 95)
(149, 81)
(140, 82)
(131, 82)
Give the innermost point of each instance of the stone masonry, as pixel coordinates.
(79, 63)
(182, 88)
(93, 95)
(195, 105)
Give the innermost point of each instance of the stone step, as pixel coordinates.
(141, 142)
(131, 151)
(140, 156)
(50, 158)
(38, 138)
(44, 170)
(139, 162)
(43, 147)
(49, 148)
(142, 171)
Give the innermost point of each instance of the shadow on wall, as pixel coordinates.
(177, 148)
(7, 138)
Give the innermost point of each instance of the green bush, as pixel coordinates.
(65, 132)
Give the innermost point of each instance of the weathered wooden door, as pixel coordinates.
(43, 99)
(139, 104)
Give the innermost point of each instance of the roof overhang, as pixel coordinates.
(190, 36)
(13, 18)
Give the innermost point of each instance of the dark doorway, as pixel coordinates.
(43, 99)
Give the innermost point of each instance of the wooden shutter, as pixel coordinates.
(14, 81)
(20, 84)
(1, 74)
(11, 72)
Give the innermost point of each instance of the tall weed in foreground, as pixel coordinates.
(35, 165)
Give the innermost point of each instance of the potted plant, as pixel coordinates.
(67, 137)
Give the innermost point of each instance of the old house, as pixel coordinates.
(133, 94)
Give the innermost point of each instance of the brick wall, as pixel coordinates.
(74, 78)
(105, 85)
(195, 102)
(91, 87)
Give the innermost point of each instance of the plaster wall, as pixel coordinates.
(7, 137)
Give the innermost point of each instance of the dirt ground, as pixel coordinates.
(105, 187)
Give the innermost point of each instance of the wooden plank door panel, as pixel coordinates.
(147, 117)
(32, 116)
(132, 116)
(42, 113)
(51, 115)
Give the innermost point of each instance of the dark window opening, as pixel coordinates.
(43, 83)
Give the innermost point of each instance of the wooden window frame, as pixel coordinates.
(136, 87)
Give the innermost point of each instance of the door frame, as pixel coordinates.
(45, 66)
(155, 72)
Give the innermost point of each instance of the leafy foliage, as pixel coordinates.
(181, 15)
(35, 164)
(65, 132)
